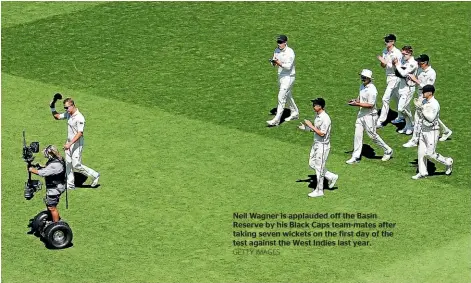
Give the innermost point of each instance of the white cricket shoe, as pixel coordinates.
(316, 193)
(273, 122)
(352, 160)
(333, 181)
(445, 136)
(402, 131)
(418, 176)
(387, 155)
(292, 117)
(409, 131)
(95, 181)
(411, 143)
(449, 168)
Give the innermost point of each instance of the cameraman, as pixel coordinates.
(54, 175)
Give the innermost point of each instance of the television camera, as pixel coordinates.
(31, 186)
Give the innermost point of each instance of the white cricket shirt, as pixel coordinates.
(286, 57)
(389, 56)
(76, 123)
(431, 113)
(323, 123)
(426, 77)
(368, 95)
(407, 67)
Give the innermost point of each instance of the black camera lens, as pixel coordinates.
(28, 193)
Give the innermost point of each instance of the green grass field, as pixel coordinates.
(176, 95)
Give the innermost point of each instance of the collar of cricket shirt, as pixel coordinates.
(76, 112)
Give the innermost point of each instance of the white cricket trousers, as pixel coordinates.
(367, 123)
(285, 95)
(403, 105)
(427, 145)
(391, 90)
(317, 160)
(73, 162)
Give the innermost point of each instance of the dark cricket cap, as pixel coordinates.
(281, 38)
(390, 37)
(422, 58)
(428, 88)
(318, 101)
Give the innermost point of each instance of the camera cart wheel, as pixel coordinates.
(38, 222)
(58, 235)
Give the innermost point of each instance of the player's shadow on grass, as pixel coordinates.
(80, 179)
(286, 114)
(312, 180)
(367, 151)
(431, 168)
(391, 116)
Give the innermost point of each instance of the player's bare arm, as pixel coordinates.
(55, 114)
(314, 129)
(309, 124)
(365, 105)
(381, 59)
(413, 78)
(356, 102)
(318, 132)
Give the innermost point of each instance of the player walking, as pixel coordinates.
(283, 57)
(407, 66)
(366, 119)
(426, 76)
(390, 53)
(74, 145)
(428, 110)
(321, 146)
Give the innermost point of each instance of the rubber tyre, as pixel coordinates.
(40, 220)
(58, 235)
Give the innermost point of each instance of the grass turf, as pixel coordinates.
(176, 95)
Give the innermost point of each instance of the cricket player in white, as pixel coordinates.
(366, 119)
(428, 110)
(321, 146)
(74, 145)
(390, 53)
(426, 76)
(284, 58)
(407, 66)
